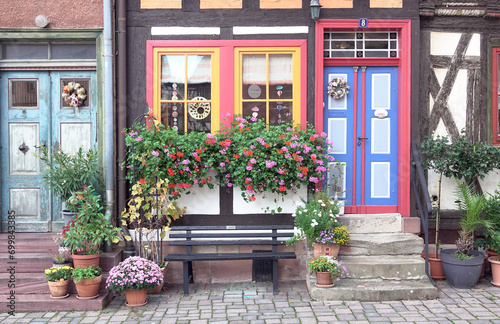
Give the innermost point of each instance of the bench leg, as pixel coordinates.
(185, 274)
(275, 277)
(190, 271)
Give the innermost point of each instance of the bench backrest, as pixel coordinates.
(230, 235)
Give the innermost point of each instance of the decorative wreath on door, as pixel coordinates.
(338, 87)
(74, 94)
(199, 109)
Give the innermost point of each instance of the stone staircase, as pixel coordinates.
(383, 263)
(31, 291)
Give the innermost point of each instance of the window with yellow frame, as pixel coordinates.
(186, 88)
(268, 84)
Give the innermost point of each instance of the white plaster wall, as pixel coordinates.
(203, 201)
(446, 43)
(288, 203)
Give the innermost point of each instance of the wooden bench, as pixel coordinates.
(218, 235)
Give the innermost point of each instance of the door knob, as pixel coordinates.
(24, 148)
(361, 138)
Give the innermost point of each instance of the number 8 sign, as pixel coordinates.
(363, 22)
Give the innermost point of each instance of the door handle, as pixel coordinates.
(361, 138)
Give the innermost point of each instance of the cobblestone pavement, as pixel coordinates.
(255, 303)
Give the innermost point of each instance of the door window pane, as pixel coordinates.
(73, 51)
(23, 94)
(25, 52)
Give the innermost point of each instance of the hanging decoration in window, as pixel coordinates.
(199, 109)
(338, 87)
(74, 94)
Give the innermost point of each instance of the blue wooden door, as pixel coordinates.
(33, 113)
(363, 128)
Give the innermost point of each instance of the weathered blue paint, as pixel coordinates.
(49, 117)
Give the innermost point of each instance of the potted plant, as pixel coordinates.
(329, 241)
(58, 280)
(87, 281)
(314, 218)
(462, 267)
(61, 259)
(90, 229)
(66, 173)
(134, 275)
(328, 270)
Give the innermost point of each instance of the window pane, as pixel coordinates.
(79, 89)
(199, 70)
(24, 94)
(73, 51)
(376, 45)
(25, 52)
(343, 45)
(280, 112)
(173, 77)
(172, 115)
(254, 76)
(255, 109)
(280, 76)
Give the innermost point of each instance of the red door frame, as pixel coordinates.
(403, 62)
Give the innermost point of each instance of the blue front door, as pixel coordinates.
(33, 113)
(363, 128)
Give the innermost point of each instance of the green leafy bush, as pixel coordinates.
(80, 273)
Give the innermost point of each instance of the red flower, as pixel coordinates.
(170, 171)
(236, 156)
(171, 185)
(142, 181)
(180, 154)
(267, 145)
(282, 136)
(282, 188)
(198, 150)
(197, 158)
(288, 142)
(311, 138)
(175, 193)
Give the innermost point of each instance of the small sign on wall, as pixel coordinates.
(363, 22)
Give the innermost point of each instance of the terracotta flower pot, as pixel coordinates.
(324, 280)
(158, 288)
(88, 288)
(330, 250)
(435, 266)
(136, 298)
(491, 253)
(86, 260)
(495, 270)
(58, 289)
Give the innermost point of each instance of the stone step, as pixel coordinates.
(400, 267)
(374, 290)
(43, 302)
(372, 223)
(37, 262)
(34, 283)
(382, 244)
(28, 242)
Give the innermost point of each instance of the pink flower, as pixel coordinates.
(155, 153)
(138, 139)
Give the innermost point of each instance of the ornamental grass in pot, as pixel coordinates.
(87, 281)
(462, 266)
(328, 270)
(134, 275)
(90, 229)
(58, 280)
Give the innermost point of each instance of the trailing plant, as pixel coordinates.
(90, 229)
(92, 271)
(328, 264)
(134, 273)
(314, 218)
(58, 274)
(66, 173)
(247, 154)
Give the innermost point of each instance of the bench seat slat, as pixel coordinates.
(230, 256)
(229, 235)
(237, 227)
(227, 242)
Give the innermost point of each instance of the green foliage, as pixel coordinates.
(66, 173)
(80, 273)
(247, 154)
(315, 218)
(461, 159)
(58, 274)
(492, 214)
(90, 229)
(462, 256)
(471, 205)
(328, 264)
